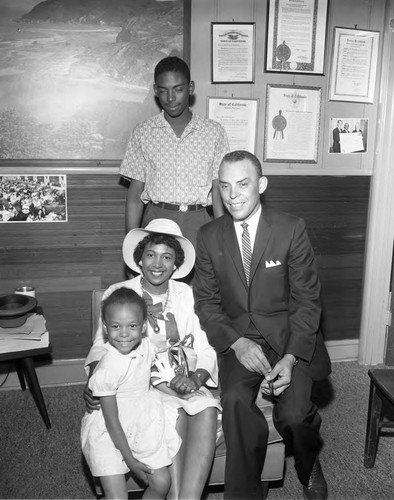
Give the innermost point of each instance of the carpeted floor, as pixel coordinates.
(37, 463)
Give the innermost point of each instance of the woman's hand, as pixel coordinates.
(92, 403)
(183, 385)
(191, 395)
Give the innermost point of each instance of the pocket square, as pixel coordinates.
(272, 263)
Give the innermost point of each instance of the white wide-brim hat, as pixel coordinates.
(162, 226)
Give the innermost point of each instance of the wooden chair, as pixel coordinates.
(274, 462)
(380, 406)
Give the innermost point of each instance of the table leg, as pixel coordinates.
(373, 421)
(21, 377)
(35, 388)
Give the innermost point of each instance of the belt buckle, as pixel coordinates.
(183, 208)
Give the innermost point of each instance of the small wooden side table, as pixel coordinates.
(25, 369)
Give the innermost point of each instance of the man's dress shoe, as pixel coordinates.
(317, 486)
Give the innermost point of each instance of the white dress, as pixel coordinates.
(150, 430)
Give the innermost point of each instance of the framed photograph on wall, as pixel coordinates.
(296, 35)
(239, 119)
(348, 135)
(292, 124)
(354, 63)
(33, 198)
(80, 78)
(232, 52)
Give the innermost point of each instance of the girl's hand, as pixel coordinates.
(140, 471)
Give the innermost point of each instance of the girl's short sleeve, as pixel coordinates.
(108, 375)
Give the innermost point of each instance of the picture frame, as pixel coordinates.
(33, 198)
(238, 116)
(290, 50)
(348, 135)
(233, 52)
(354, 64)
(292, 123)
(73, 92)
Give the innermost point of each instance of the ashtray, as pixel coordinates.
(14, 309)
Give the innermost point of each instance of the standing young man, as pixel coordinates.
(257, 296)
(172, 159)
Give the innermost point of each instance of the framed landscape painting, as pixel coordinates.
(76, 76)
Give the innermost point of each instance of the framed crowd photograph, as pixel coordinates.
(80, 78)
(239, 119)
(354, 63)
(232, 52)
(296, 36)
(33, 198)
(292, 124)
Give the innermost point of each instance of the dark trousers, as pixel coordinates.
(246, 430)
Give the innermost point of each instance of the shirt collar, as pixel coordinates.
(252, 222)
(159, 121)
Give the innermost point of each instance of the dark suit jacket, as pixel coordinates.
(282, 301)
(335, 137)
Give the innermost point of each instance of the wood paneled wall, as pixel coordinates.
(66, 261)
(335, 210)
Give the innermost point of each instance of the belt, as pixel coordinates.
(179, 208)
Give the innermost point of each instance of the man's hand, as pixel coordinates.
(92, 403)
(140, 471)
(281, 374)
(251, 356)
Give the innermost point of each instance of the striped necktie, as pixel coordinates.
(246, 250)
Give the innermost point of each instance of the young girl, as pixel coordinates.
(130, 432)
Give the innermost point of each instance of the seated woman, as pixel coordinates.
(160, 254)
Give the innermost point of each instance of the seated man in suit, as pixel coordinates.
(257, 295)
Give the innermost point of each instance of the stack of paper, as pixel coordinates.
(31, 330)
(31, 335)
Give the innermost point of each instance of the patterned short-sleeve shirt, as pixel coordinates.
(175, 170)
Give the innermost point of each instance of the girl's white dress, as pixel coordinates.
(150, 430)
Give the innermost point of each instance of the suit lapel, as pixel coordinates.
(262, 236)
(230, 242)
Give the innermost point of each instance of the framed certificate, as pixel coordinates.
(296, 35)
(232, 52)
(292, 124)
(239, 119)
(354, 64)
